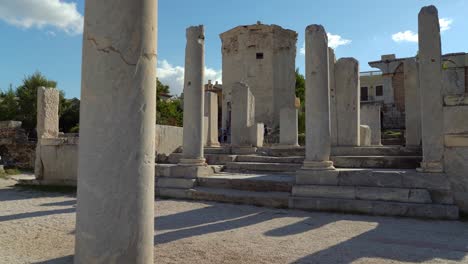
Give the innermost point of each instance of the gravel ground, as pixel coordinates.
(38, 227)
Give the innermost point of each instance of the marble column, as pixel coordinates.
(318, 141)
(211, 112)
(412, 104)
(348, 102)
(430, 78)
(194, 97)
(115, 211)
(333, 115)
(48, 100)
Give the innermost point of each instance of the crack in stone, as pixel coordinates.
(111, 48)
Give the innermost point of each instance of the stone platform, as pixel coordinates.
(363, 191)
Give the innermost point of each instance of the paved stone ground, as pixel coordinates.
(38, 227)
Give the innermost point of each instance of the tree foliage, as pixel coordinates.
(20, 104)
(168, 112)
(300, 93)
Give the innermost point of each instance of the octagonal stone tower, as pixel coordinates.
(263, 57)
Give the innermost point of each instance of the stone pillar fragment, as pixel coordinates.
(333, 114)
(115, 211)
(365, 135)
(347, 102)
(211, 112)
(194, 97)
(318, 144)
(289, 127)
(48, 100)
(430, 83)
(412, 104)
(244, 131)
(370, 116)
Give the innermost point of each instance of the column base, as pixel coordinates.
(213, 145)
(318, 165)
(431, 167)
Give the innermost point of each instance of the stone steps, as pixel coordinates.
(246, 182)
(389, 162)
(403, 195)
(261, 167)
(345, 151)
(268, 199)
(382, 208)
(270, 159)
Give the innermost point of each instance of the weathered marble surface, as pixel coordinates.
(211, 112)
(347, 101)
(412, 103)
(318, 141)
(370, 116)
(115, 217)
(289, 127)
(47, 122)
(194, 96)
(430, 78)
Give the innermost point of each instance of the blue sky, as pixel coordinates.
(45, 35)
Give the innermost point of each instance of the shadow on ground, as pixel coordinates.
(396, 239)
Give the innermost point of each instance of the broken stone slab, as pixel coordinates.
(456, 100)
(366, 135)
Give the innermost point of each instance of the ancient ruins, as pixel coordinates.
(343, 167)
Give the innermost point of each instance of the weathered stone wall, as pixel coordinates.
(168, 139)
(59, 157)
(370, 116)
(15, 148)
(263, 57)
(456, 147)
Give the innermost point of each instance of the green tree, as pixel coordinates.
(168, 112)
(70, 116)
(300, 86)
(161, 89)
(27, 99)
(300, 93)
(8, 105)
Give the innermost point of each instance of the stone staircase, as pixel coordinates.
(267, 178)
(378, 192)
(290, 160)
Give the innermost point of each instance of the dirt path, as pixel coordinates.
(38, 227)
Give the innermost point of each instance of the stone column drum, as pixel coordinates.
(430, 78)
(194, 97)
(289, 127)
(347, 102)
(318, 142)
(333, 115)
(211, 111)
(115, 211)
(412, 104)
(48, 100)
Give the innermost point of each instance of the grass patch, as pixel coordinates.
(9, 172)
(390, 133)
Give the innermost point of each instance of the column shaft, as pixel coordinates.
(194, 96)
(430, 77)
(115, 211)
(318, 139)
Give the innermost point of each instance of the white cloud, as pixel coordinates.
(334, 41)
(445, 24)
(174, 76)
(40, 14)
(406, 36)
(410, 36)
